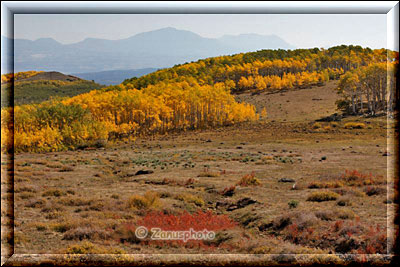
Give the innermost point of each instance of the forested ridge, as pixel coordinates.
(192, 96)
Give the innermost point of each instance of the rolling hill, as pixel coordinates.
(36, 87)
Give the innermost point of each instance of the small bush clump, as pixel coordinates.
(66, 169)
(150, 200)
(249, 180)
(373, 190)
(53, 192)
(343, 201)
(293, 204)
(36, 203)
(317, 125)
(62, 227)
(356, 178)
(81, 233)
(189, 198)
(333, 184)
(355, 125)
(344, 213)
(323, 196)
(228, 191)
(208, 173)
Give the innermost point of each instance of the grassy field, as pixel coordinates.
(286, 184)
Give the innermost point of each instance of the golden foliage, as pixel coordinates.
(124, 113)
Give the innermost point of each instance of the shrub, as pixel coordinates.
(81, 233)
(190, 181)
(301, 219)
(75, 201)
(325, 215)
(373, 190)
(66, 169)
(317, 125)
(356, 178)
(334, 184)
(26, 195)
(24, 189)
(36, 203)
(71, 192)
(62, 227)
(189, 198)
(228, 191)
(322, 196)
(345, 214)
(51, 207)
(343, 201)
(354, 125)
(293, 204)
(54, 215)
(53, 192)
(40, 226)
(334, 124)
(208, 173)
(376, 241)
(249, 180)
(148, 201)
(126, 233)
(185, 221)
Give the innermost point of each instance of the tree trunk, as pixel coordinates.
(373, 102)
(369, 101)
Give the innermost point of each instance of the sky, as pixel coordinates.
(300, 30)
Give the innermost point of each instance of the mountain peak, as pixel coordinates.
(167, 32)
(46, 41)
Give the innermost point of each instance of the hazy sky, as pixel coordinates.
(302, 31)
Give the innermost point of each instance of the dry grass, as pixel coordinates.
(87, 247)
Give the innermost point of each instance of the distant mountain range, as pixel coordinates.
(113, 77)
(155, 49)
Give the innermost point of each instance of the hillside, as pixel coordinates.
(196, 95)
(36, 87)
(304, 105)
(154, 49)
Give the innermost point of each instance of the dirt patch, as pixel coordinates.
(52, 75)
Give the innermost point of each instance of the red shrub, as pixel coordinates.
(228, 191)
(356, 178)
(184, 221)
